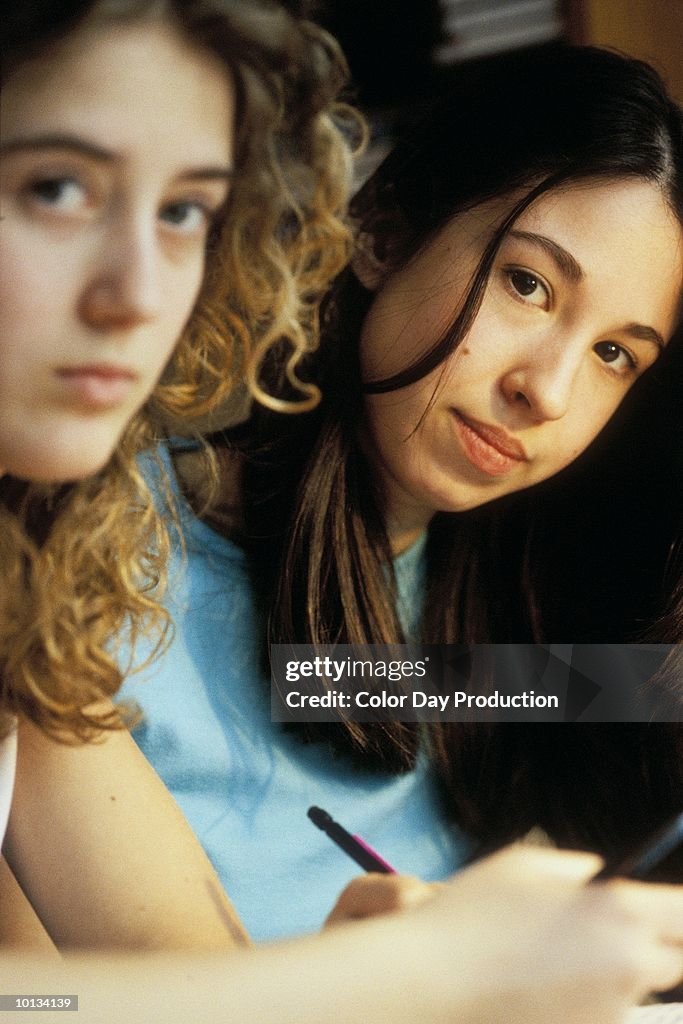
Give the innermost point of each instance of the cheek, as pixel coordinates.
(384, 430)
(394, 416)
(19, 292)
(579, 435)
(25, 333)
(597, 416)
(407, 451)
(377, 354)
(181, 290)
(401, 326)
(37, 286)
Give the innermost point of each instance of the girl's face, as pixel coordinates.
(116, 157)
(581, 299)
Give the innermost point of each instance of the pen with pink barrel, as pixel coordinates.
(353, 846)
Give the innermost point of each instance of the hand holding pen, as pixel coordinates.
(382, 890)
(599, 941)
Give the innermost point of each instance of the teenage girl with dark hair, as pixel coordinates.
(519, 270)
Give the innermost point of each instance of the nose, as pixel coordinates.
(541, 380)
(123, 289)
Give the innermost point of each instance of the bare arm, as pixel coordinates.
(518, 939)
(104, 854)
(20, 927)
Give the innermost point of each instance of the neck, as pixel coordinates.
(400, 542)
(405, 518)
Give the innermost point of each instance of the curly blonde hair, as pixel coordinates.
(84, 564)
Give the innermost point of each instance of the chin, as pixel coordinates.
(457, 499)
(61, 464)
(53, 449)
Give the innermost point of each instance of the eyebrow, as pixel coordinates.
(642, 333)
(562, 259)
(83, 147)
(572, 271)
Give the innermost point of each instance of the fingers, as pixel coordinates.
(660, 906)
(559, 865)
(660, 969)
(374, 894)
(521, 864)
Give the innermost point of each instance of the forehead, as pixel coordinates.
(602, 212)
(128, 81)
(621, 233)
(625, 238)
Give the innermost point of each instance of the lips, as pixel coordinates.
(98, 386)
(490, 449)
(107, 371)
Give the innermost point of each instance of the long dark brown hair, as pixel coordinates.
(313, 514)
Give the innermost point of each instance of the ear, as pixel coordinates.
(368, 267)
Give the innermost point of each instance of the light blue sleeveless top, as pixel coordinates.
(244, 783)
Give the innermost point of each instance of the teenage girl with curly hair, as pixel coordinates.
(173, 179)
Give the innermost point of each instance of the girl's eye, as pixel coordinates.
(62, 194)
(528, 287)
(187, 217)
(620, 359)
